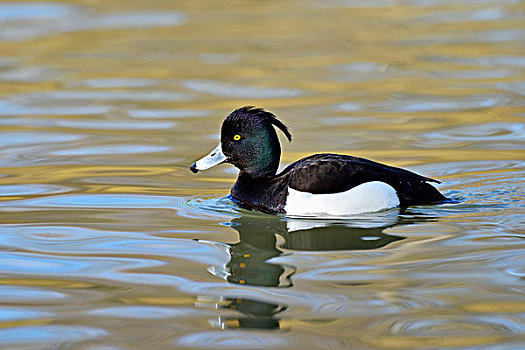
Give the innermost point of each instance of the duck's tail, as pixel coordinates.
(418, 194)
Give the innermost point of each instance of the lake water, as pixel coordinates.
(109, 242)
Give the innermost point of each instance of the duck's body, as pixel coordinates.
(333, 176)
(320, 184)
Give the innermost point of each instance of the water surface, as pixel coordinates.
(109, 242)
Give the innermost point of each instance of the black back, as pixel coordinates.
(332, 173)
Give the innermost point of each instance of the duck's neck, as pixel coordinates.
(248, 177)
(262, 193)
(257, 173)
(264, 158)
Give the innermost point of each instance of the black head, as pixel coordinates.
(249, 142)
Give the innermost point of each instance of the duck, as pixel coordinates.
(317, 185)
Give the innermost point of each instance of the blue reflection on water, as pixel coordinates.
(50, 334)
(14, 11)
(97, 201)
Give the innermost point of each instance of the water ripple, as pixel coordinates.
(10, 139)
(457, 326)
(27, 21)
(11, 108)
(31, 189)
(493, 135)
(142, 312)
(106, 95)
(82, 241)
(115, 83)
(231, 340)
(18, 294)
(209, 207)
(52, 335)
(167, 113)
(239, 91)
(96, 201)
(111, 149)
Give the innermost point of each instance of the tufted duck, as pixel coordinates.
(332, 184)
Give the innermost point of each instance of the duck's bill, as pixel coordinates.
(214, 158)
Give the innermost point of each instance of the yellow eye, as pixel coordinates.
(237, 137)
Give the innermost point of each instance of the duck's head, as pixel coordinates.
(249, 142)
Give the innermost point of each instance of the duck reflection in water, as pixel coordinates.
(263, 237)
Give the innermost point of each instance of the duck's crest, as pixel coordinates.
(264, 116)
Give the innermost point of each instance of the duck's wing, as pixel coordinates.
(333, 173)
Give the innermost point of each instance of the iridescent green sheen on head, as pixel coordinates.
(257, 152)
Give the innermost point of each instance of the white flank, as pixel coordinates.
(366, 198)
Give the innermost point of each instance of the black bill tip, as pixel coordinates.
(193, 168)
